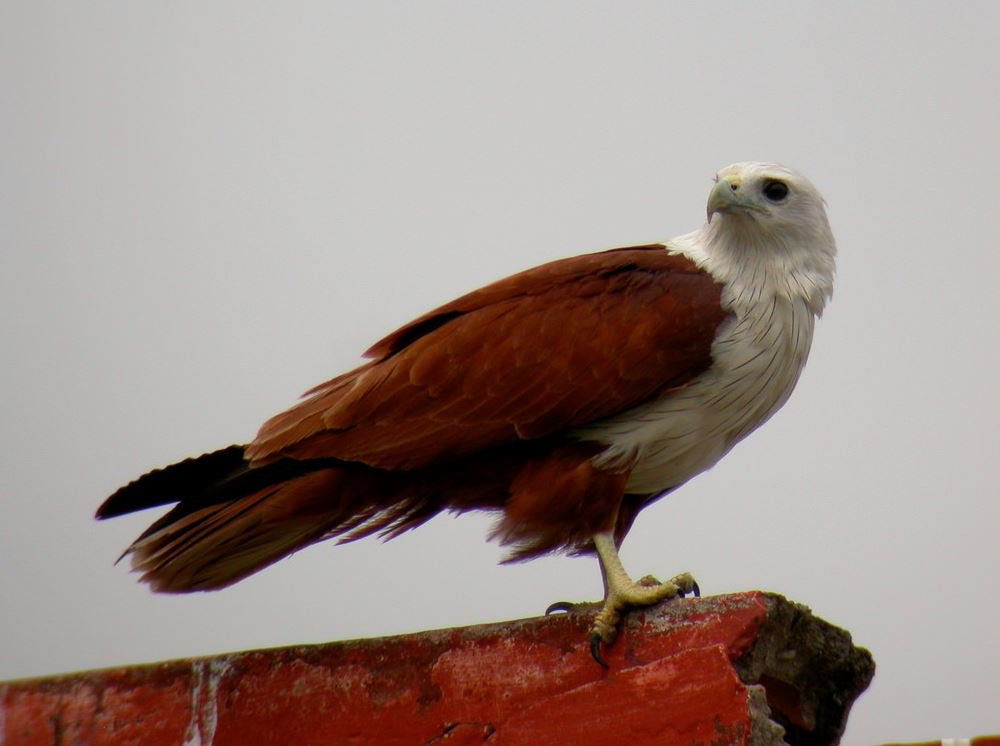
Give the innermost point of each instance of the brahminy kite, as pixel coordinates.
(565, 398)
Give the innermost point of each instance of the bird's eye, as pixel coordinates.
(775, 190)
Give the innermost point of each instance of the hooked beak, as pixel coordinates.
(726, 197)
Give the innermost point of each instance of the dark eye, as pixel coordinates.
(775, 190)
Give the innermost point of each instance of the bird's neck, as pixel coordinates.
(755, 268)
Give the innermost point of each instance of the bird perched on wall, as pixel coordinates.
(565, 398)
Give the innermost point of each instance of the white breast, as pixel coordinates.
(775, 263)
(757, 358)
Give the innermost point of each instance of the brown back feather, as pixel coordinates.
(527, 357)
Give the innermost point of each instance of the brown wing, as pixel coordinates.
(548, 349)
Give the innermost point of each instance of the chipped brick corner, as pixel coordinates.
(750, 668)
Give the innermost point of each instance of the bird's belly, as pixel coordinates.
(669, 440)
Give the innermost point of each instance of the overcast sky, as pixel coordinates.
(207, 208)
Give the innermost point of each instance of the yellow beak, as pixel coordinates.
(725, 197)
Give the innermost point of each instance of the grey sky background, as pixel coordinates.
(208, 208)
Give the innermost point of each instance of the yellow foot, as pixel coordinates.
(623, 594)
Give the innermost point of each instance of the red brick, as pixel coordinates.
(675, 677)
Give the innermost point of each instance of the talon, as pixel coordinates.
(694, 591)
(559, 606)
(622, 593)
(595, 650)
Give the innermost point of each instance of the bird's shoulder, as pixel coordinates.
(566, 277)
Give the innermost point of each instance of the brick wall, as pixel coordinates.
(749, 668)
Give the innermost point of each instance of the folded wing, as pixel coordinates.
(538, 353)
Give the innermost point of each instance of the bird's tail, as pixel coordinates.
(214, 546)
(232, 520)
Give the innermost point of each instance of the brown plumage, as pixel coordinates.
(566, 398)
(471, 406)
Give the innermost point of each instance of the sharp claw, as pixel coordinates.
(564, 606)
(595, 650)
(694, 591)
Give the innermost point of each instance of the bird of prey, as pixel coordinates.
(565, 398)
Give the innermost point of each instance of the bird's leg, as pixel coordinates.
(621, 593)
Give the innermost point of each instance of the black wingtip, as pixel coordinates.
(172, 483)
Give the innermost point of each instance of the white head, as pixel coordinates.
(767, 225)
